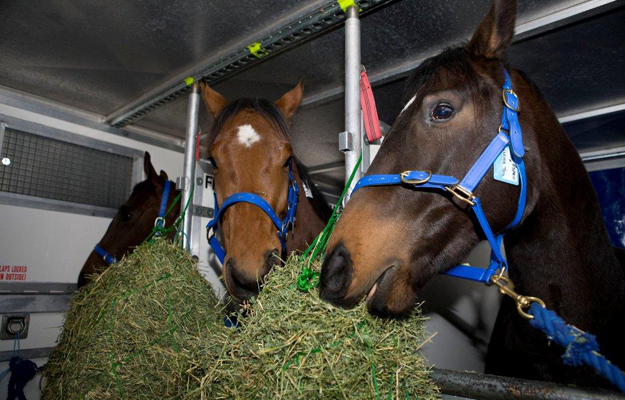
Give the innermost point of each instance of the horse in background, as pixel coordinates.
(559, 252)
(250, 148)
(133, 222)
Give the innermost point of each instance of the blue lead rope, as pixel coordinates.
(581, 347)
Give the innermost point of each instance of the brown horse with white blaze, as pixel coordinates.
(134, 220)
(560, 252)
(250, 148)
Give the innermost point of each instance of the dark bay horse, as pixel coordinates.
(560, 251)
(134, 220)
(250, 148)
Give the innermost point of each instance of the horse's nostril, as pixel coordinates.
(336, 274)
(272, 258)
(238, 284)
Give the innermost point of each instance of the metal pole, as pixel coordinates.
(189, 161)
(353, 132)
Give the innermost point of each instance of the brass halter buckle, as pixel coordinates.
(461, 194)
(404, 178)
(522, 302)
(505, 101)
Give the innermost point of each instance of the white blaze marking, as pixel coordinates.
(409, 103)
(247, 135)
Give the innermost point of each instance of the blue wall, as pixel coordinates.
(610, 187)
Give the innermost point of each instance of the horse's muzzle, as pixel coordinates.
(242, 286)
(336, 276)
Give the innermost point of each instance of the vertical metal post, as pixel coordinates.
(352, 94)
(189, 161)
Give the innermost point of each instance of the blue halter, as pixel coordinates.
(509, 133)
(283, 226)
(159, 222)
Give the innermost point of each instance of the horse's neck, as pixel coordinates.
(308, 223)
(561, 253)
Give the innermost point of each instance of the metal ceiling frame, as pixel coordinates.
(296, 31)
(49, 108)
(523, 31)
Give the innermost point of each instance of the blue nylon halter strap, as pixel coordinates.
(283, 225)
(108, 258)
(160, 222)
(509, 134)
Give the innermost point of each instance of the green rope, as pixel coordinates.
(309, 279)
(162, 231)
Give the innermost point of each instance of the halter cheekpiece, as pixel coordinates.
(282, 225)
(509, 134)
(159, 222)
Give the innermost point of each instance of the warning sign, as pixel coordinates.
(13, 273)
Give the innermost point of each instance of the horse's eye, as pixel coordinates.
(212, 161)
(442, 112)
(125, 217)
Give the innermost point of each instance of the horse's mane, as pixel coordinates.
(271, 113)
(318, 201)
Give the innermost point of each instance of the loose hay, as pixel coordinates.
(150, 327)
(129, 334)
(295, 346)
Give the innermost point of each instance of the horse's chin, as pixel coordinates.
(382, 299)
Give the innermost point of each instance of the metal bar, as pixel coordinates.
(523, 31)
(3, 127)
(353, 114)
(189, 161)
(28, 354)
(592, 113)
(21, 200)
(320, 169)
(490, 387)
(43, 288)
(303, 27)
(27, 102)
(32, 304)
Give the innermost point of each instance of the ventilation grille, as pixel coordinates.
(53, 169)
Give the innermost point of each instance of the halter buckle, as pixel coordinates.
(404, 178)
(159, 219)
(461, 194)
(505, 100)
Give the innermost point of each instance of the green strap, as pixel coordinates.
(162, 231)
(309, 279)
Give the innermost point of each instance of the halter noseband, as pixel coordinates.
(509, 134)
(159, 222)
(283, 226)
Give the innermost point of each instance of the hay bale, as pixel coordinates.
(131, 333)
(294, 346)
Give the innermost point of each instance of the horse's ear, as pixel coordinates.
(214, 101)
(494, 34)
(289, 102)
(164, 175)
(148, 168)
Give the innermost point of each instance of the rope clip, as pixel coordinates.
(506, 287)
